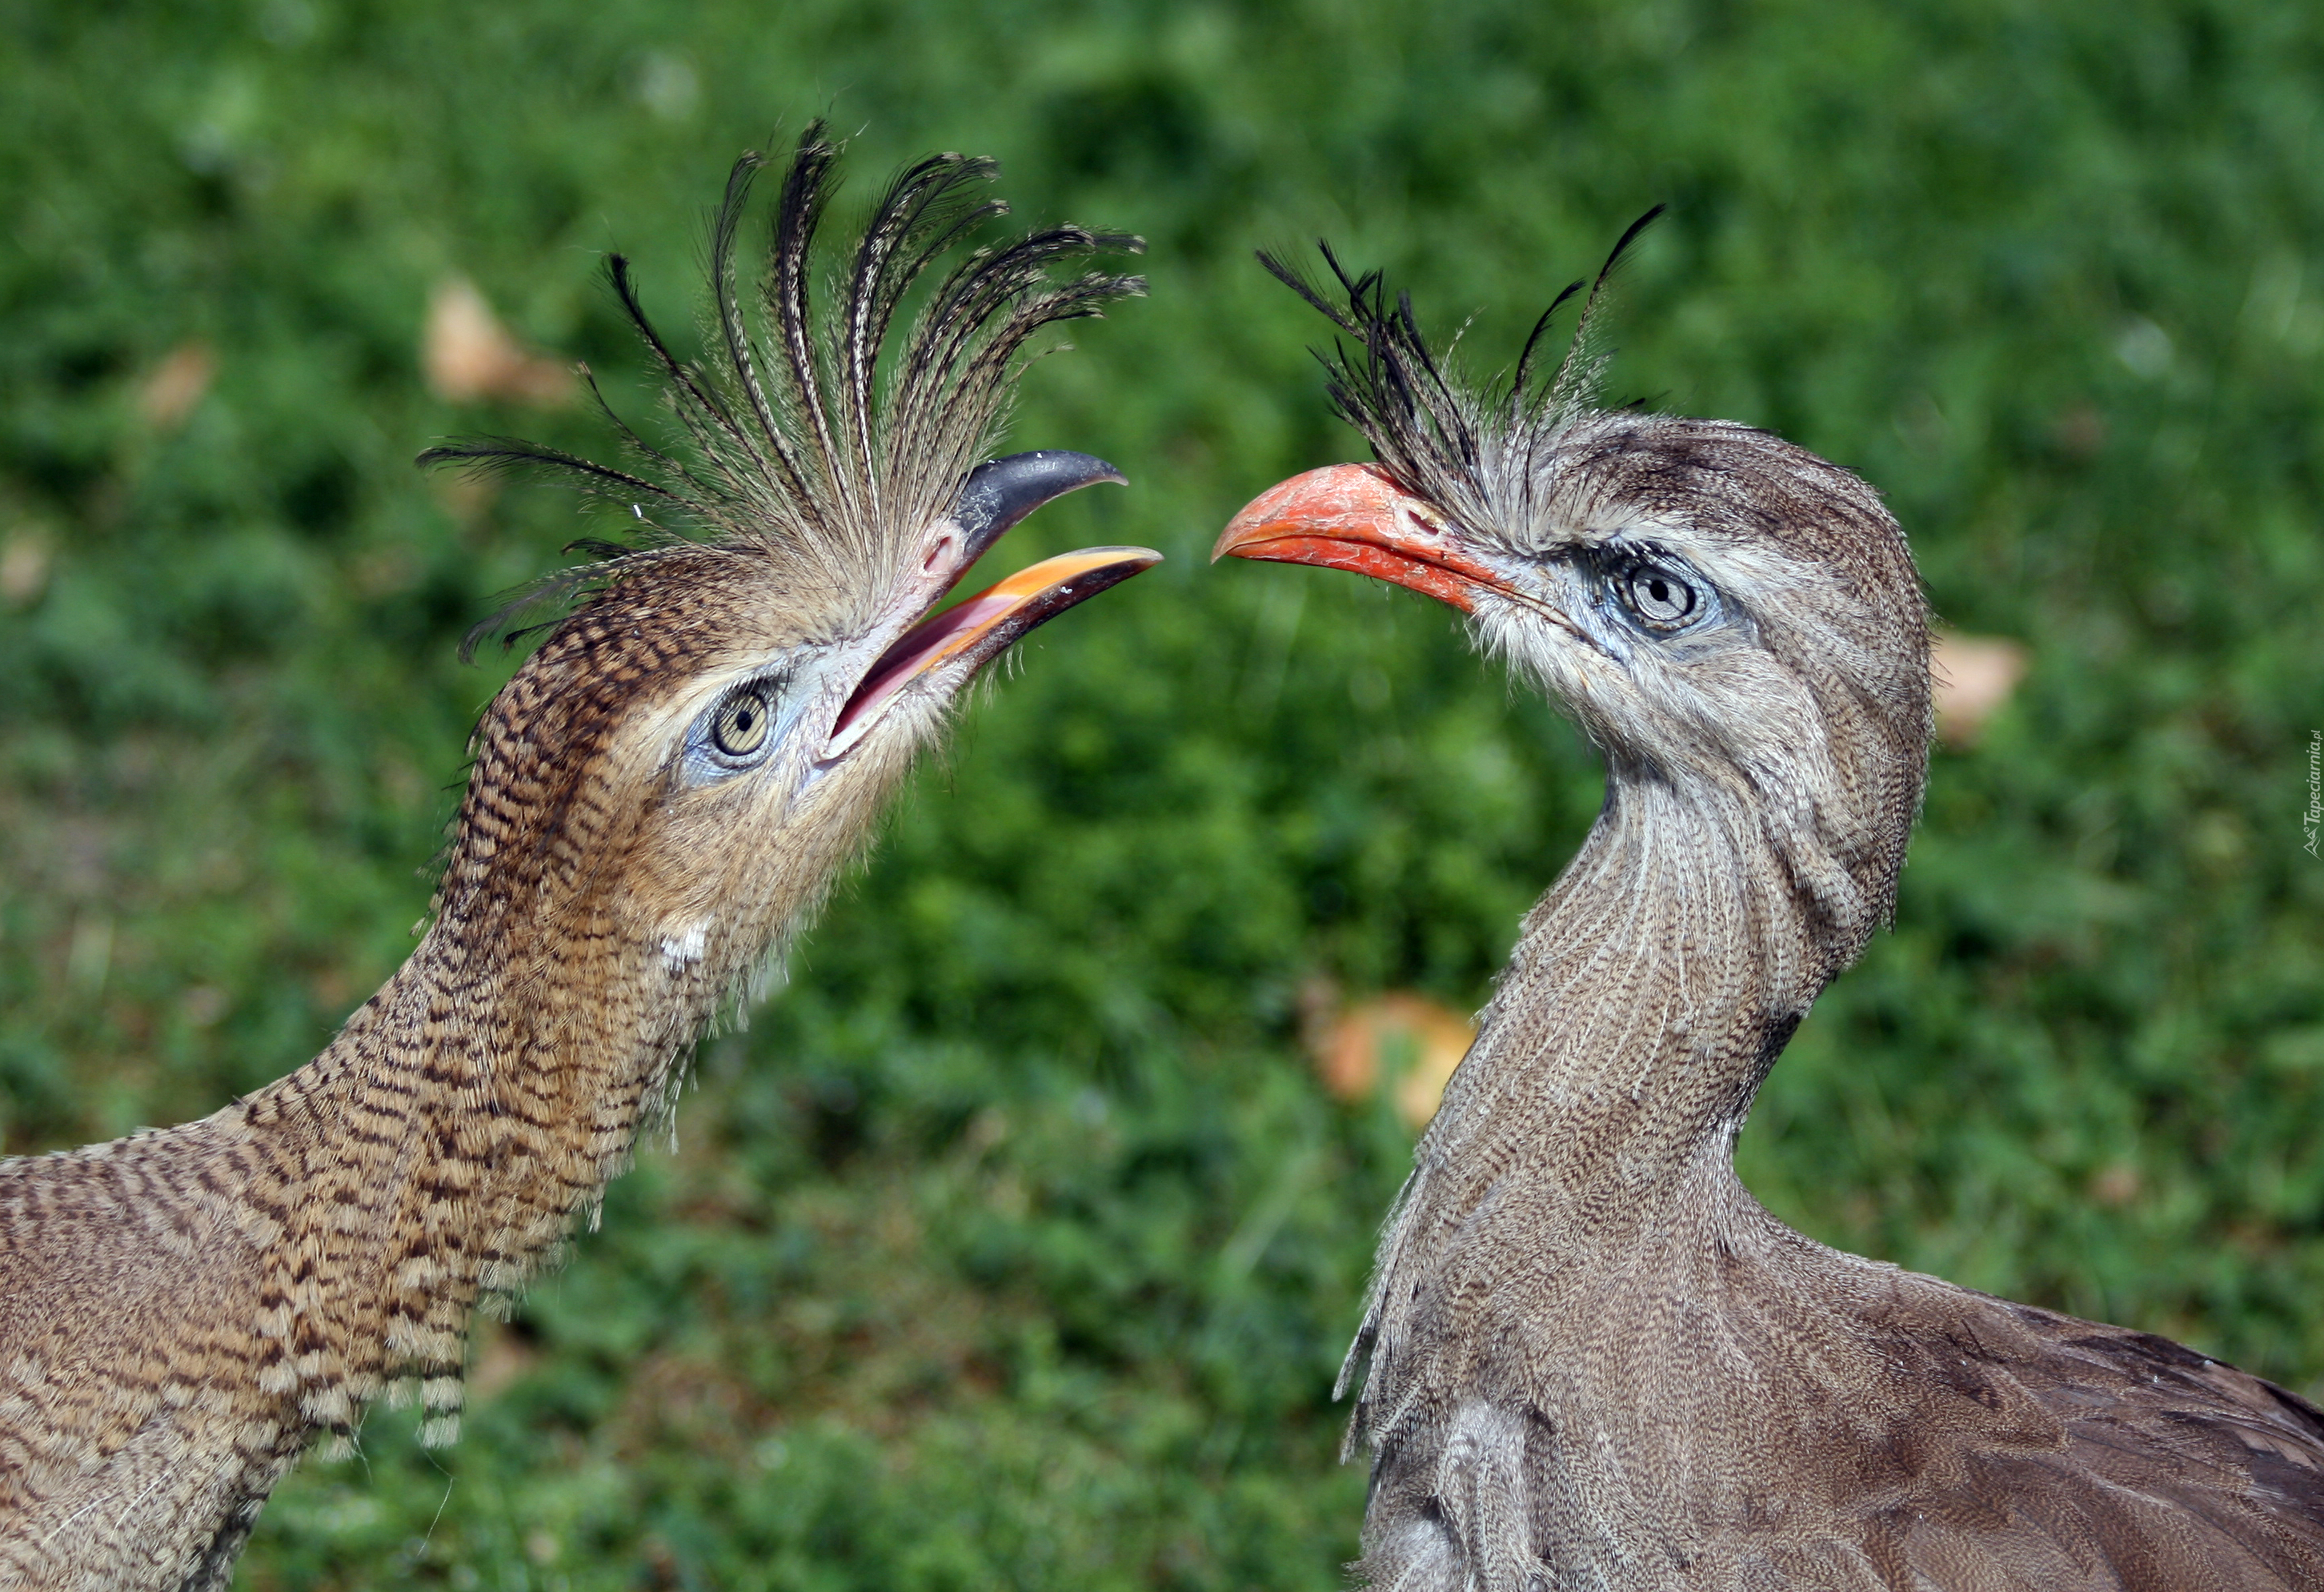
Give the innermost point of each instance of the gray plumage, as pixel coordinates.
(1589, 1359)
(660, 795)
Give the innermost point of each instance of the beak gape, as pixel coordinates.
(997, 495)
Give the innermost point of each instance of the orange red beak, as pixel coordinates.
(1356, 517)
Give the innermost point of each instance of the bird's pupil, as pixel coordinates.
(741, 724)
(1659, 597)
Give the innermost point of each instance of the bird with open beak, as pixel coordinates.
(657, 799)
(1588, 1357)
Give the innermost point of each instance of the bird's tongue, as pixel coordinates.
(974, 630)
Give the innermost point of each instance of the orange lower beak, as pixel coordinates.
(974, 632)
(1356, 517)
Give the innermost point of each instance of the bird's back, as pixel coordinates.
(2154, 1468)
(1779, 1416)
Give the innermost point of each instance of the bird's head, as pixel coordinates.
(1735, 621)
(678, 772)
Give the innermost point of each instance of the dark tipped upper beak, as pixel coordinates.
(1001, 492)
(1356, 517)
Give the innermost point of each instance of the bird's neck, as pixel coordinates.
(1652, 989)
(437, 1151)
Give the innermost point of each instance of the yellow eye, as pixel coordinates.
(741, 726)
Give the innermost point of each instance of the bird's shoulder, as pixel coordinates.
(2105, 1456)
(1796, 1418)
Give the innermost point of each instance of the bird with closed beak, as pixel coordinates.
(658, 798)
(1589, 1359)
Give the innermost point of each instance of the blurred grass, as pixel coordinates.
(1014, 1243)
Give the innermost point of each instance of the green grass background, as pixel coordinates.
(1014, 1244)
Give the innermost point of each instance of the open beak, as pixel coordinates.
(1356, 517)
(970, 634)
(965, 637)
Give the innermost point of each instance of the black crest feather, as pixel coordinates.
(801, 442)
(1468, 447)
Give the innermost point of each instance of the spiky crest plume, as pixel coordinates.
(1471, 449)
(800, 447)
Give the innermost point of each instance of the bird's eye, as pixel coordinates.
(736, 733)
(740, 727)
(1659, 597)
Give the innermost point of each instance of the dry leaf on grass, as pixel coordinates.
(2117, 1184)
(1975, 676)
(499, 1357)
(24, 557)
(470, 357)
(466, 497)
(167, 395)
(1407, 1041)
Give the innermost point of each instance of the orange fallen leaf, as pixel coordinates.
(1408, 1040)
(1974, 675)
(171, 390)
(469, 356)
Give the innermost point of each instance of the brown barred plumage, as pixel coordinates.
(182, 1311)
